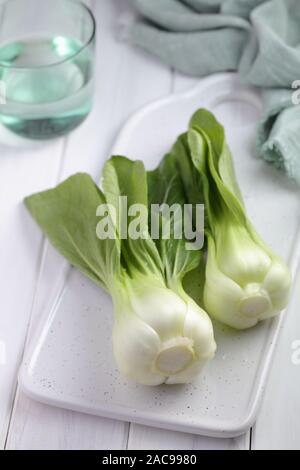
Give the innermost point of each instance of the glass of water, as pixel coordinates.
(47, 50)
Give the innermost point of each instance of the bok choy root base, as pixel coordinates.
(161, 290)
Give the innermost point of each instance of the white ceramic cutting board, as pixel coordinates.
(70, 363)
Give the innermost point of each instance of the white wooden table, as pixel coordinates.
(127, 78)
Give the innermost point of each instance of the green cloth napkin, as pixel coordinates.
(258, 38)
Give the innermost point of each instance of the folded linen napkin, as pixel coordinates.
(258, 38)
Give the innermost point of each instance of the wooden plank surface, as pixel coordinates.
(278, 424)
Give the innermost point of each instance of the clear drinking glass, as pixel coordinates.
(47, 50)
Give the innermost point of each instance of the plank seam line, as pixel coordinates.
(41, 257)
(31, 309)
(127, 434)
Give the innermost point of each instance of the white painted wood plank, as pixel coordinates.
(278, 424)
(40, 427)
(183, 83)
(122, 72)
(142, 437)
(21, 172)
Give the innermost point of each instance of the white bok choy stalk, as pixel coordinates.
(245, 282)
(160, 335)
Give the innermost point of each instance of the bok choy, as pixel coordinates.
(245, 282)
(160, 335)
